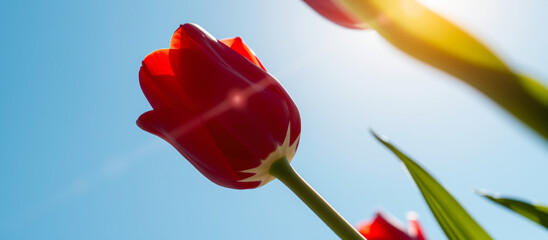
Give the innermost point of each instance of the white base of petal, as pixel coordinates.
(262, 171)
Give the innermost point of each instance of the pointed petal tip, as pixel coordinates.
(379, 214)
(186, 35)
(157, 63)
(412, 216)
(238, 39)
(187, 27)
(190, 25)
(192, 28)
(232, 41)
(143, 120)
(237, 44)
(148, 120)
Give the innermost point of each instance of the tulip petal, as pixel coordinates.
(249, 133)
(160, 79)
(212, 69)
(180, 39)
(153, 93)
(158, 63)
(222, 54)
(188, 134)
(415, 230)
(238, 45)
(381, 228)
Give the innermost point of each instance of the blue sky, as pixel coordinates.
(75, 166)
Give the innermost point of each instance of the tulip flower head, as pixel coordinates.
(337, 13)
(385, 227)
(214, 101)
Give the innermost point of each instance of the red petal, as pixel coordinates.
(208, 72)
(153, 93)
(160, 81)
(381, 229)
(415, 229)
(188, 134)
(332, 10)
(238, 45)
(180, 39)
(158, 63)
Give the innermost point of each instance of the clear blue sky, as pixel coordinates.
(75, 166)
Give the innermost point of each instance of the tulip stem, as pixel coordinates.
(282, 170)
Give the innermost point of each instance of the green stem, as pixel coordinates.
(287, 175)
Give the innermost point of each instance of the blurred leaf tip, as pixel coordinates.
(534, 212)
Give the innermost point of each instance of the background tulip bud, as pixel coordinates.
(337, 13)
(386, 227)
(216, 104)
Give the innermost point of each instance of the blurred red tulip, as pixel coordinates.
(217, 105)
(388, 228)
(334, 11)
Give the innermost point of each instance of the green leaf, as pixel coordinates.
(432, 39)
(451, 216)
(535, 212)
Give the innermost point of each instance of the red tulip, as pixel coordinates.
(387, 228)
(337, 13)
(219, 107)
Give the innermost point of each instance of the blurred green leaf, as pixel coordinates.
(536, 213)
(451, 216)
(427, 36)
